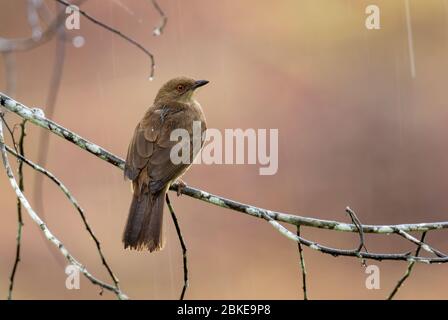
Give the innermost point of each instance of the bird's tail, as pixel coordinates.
(144, 226)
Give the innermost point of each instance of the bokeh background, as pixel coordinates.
(355, 128)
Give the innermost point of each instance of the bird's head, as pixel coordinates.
(179, 89)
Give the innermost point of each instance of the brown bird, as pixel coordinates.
(148, 162)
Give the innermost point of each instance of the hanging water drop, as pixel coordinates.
(157, 32)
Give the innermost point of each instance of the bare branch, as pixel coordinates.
(183, 246)
(420, 244)
(49, 235)
(117, 32)
(408, 271)
(19, 207)
(302, 266)
(11, 131)
(75, 203)
(358, 225)
(349, 253)
(159, 29)
(36, 117)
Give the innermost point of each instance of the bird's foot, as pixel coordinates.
(180, 185)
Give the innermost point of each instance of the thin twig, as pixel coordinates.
(302, 266)
(421, 244)
(408, 271)
(11, 131)
(183, 246)
(159, 29)
(357, 223)
(75, 203)
(49, 235)
(117, 32)
(19, 207)
(349, 253)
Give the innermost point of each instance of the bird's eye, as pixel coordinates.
(180, 88)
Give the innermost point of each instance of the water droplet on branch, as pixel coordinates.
(157, 32)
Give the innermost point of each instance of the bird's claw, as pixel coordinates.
(180, 185)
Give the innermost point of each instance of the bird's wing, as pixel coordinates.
(140, 148)
(151, 146)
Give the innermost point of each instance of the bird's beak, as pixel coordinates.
(199, 83)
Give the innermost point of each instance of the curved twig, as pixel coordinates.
(408, 271)
(75, 203)
(48, 234)
(164, 19)
(183, 246)
(20, 224)
(358, 225)
(421, 244)
(118, 33)
(302, 266)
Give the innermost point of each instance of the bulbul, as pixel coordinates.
(148, 161)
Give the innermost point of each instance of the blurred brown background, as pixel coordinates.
(354, 129)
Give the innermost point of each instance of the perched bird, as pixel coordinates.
(148, 161)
